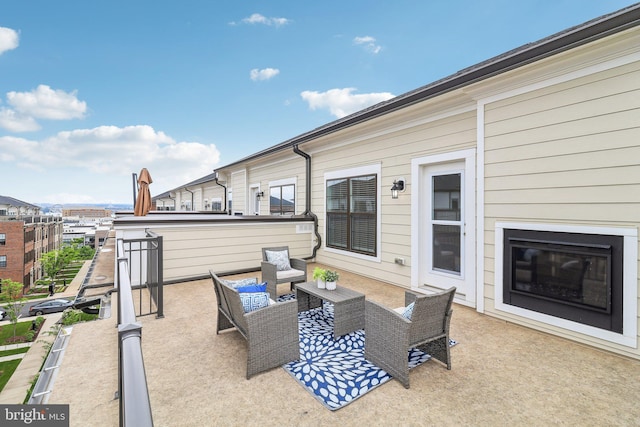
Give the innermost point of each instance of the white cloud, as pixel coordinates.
(15, 122)
(264, 74)
(65, 198)
(9, 39)
(342, 102)
(41, 103)
(256, 18)
(46, 103)
(369, 43)
(111, 152)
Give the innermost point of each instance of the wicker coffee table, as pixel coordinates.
(348, 305)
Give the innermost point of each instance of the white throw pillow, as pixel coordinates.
(240, 282)
(408, 311)
(280, 259)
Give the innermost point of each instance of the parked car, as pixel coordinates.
(51, 306)
(3, 314)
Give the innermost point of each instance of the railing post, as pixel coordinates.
(136, 407)
(160, 302)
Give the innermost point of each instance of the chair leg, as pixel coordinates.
(439, 350)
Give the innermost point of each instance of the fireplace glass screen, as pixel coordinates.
(571, 274)
(574, 276)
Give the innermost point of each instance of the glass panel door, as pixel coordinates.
(446, 223)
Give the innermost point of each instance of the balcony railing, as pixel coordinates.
(133, 393)
(145, 261)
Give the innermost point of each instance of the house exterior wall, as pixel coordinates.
(238, 186)
(557, 143)
(567, 155)
(392, 147)
(286, 169)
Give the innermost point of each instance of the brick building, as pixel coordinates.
(24, 236)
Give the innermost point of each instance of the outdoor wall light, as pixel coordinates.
(398, 186)
(260, 194)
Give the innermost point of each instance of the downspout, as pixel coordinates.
(192, 205)
(225, 194)
(307, 211)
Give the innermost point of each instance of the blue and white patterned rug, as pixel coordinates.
(335, 371)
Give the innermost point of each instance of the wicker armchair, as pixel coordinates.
(389, 335)
(271, 332)
(273, 276)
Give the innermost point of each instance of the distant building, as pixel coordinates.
(25, 235)
(82, 213)
(91, 234)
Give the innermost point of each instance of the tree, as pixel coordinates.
(55, 261)
(13, 297)
(52, 263)
(85, 252)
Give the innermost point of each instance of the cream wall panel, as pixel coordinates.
(587, 178)
(283, 167)
(192, 250)
(567, 154)
(611, 83)
(596, 195)
(530, 146)
(238, 187)
(570, 113)
(612, 158)
(394, 151)
(559, 131)
(619, 214)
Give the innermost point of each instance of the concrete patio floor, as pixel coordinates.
(502, 374)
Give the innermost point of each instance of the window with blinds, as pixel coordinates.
(352, 214)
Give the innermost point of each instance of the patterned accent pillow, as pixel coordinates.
(262, 287)
(408, 311)
(240, 282)
(280, 259)
(252, 301)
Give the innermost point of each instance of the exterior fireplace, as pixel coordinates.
(574, 276)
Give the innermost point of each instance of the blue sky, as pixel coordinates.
(92, 91)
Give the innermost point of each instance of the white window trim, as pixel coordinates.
(629, 337)
(357, 171)
(285, 181)
(280, 183)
